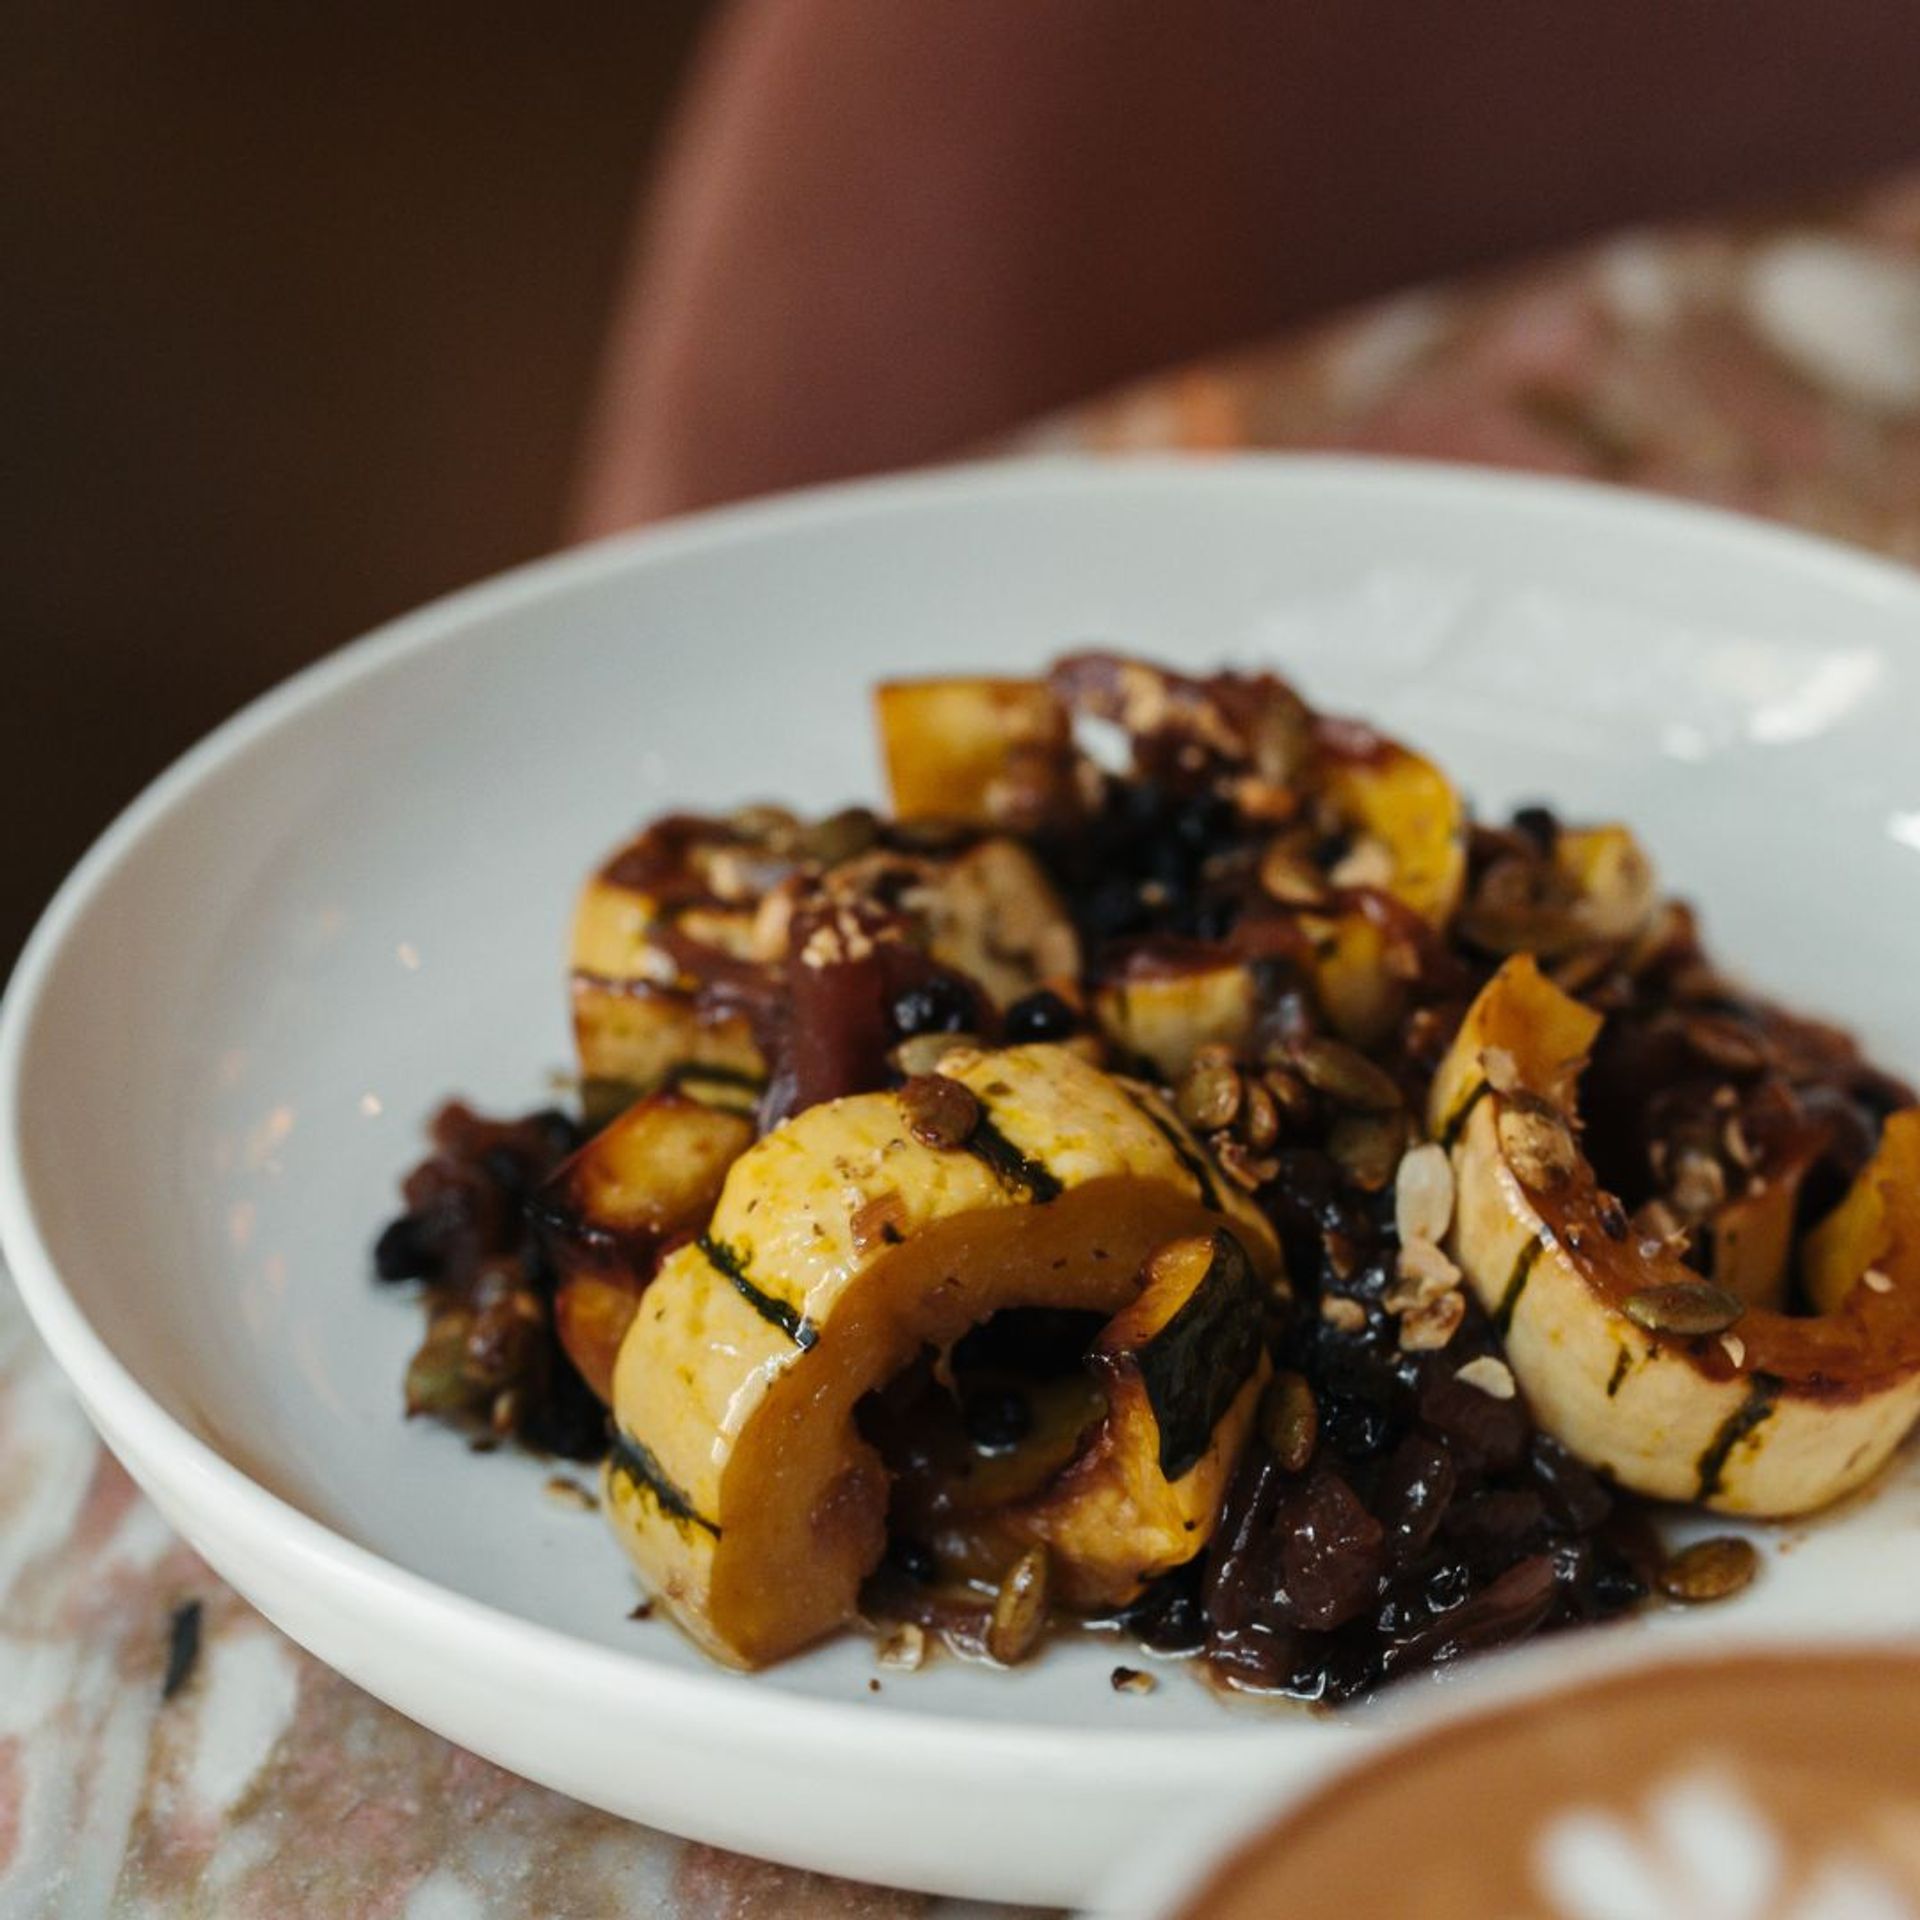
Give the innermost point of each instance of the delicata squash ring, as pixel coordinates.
(1614, 1339)
(844, 1242)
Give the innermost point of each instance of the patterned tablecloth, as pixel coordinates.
(1773, 366)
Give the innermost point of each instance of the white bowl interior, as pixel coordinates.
(354, 902)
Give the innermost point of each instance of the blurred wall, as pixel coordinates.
(299, 306)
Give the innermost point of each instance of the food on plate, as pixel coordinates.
(1175, 1173)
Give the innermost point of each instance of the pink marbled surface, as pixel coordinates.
(1773, 366)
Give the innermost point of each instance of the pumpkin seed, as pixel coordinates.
(1344, 1075)
(1260, 1119)
(1342, 1313)
(1710, 1569)
(437, 1379)
(1423, 1194)
(1367, 863)
(770, 826)
(1211, 1093)
(1536, 1140)
(1243, 1166)
(1686, 1309)
(1020, 1608)
(940, 1112)
(1367, 1147)
(1724, 1043)
(840, 836)
(1290, 1418)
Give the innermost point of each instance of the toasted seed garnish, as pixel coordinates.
(1876, 1280)
(1734, 1348)
(1290, 1418)
(1260, 1118)
(1243, 1166)
(1686, 1309)
(1211, 1093)
(1724, 1043)
(1699, 1182)
(1423, 1194)
(1367, 1147)
(1425, 1273)
(1429, 1328)
(1367, 863)
(1291, 1095)
(1344, 1075)
(564, 1492)
(1341, 1313)
(1288, 878)
(1492, 1376)
(1709, 1569)
(904, 1646)
(923, 1052)
(940, 1112)
(1132, 1680)
(1537, 1142)
(1020, 1608)
(1501, 1068)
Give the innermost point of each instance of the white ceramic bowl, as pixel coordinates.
(218, 1049)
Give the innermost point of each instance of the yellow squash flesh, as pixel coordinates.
(1783, 1413)
(841, 1247)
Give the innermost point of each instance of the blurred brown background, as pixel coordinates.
(299, 316)
(311, 313)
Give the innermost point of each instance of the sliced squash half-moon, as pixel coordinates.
(844, 1244)
(1626, 1355)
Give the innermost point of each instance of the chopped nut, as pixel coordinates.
(1699, 1183)
(1132, 1680)
(1537, 1142)
(564, 1492)
(926, 1052)
(1493, 1377)
(1423, 1194)
(940, 1112)
(1367, 863)
(1341, 1313)
(1501, 1068)
(1428, 1328)
(905, 1647)
(1289, 878)
(1425, 1273)
(1734, 1348)
(1877, 1280)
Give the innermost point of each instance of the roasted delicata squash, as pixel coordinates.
(605, 1213)
(685, 890)
(1399, 802)
(1671, 1384)
(1183, 1366)
(845, 1242)
(1163, 1005)
(968, 749)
